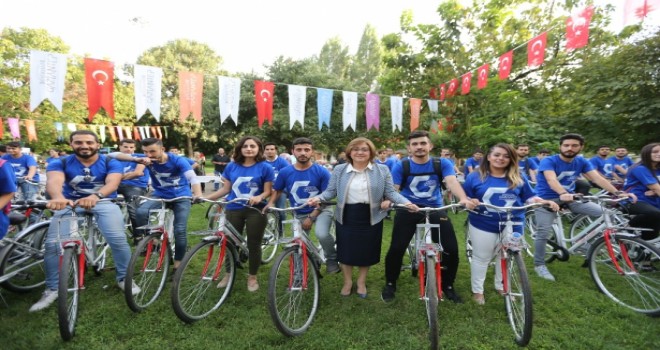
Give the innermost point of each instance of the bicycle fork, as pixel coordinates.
(422, 277)
(294, 265)
(150, 247)
(80, 251)
(624, 253)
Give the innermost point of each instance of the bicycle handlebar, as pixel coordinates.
(166, 200)
(321, 204)
(524, 207)
(220, 201)
(20, 205)
(430, 209)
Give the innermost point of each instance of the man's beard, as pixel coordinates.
(568, 156)
(85, 156)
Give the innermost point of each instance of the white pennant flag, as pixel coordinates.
(230, 94)
(102, 133)
(297, 96)
(143, 134)
(433, 106)
(350, 109)
(396, 105)
(47, 73)
(147, 90)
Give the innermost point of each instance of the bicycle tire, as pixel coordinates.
(25, 263)
(100, 250)
(577, 226)
(272, 235)
(412, 256)
(637, 287)
(292, 307)
(68, 293)
(148, 269)
(468, 245)
(431, 299)
(518, 298)
(195, 293)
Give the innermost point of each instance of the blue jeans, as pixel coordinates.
(29, 190)
(106, 214)
(181, 210)
(322, 232)
(545, 219)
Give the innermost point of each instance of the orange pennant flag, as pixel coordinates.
(136, 133)
(415, 106)
(190, 95)
(31, 131)
(113, 134)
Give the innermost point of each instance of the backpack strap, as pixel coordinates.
(437, 170)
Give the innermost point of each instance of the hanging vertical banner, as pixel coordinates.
(191, 86)
(59, 131)
(147, 90)
(263, 95)
(324, 106)
(536, 50)
(297, 98)
(47, 73)
(71, 127)
(2, 129)
(443, 91)
(372, 111)
(120, 132)
(433, 106)
(415, 107)
(506, 60)
(99, 77)
(128, 131)
(13, 128)
(466, 83)
(453, 86)
(349, 115)
(577, 29)
(113, 133)
(31, 131)
(102, 133)
(230, 94)
(482, 76)
(396, 106)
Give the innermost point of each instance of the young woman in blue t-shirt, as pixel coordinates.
(642, 180)
(497, 181)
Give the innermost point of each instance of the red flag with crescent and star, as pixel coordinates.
(482, 76)
(466, 83)
(263, 94)
(536, 50)
(453, 86)
(433, 94)
(637, 10)
(577, 29)
(506, 60)
(99, 77)
(443, 91)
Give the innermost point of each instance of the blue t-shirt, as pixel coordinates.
(567, 174)
(81, 181)
(389, 162)
(600, 165)
(496, 191)
(525, 165)
(22, 165)
(168, 179)
(7, 185)
(302, 184)
(51, 159)
(424, 190)
(624, 162)
(248, 181)
(141, 181)
(473, 163)
(278, 164)
(637, 180)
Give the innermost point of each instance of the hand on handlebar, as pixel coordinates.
(468, 203)
(59, 204)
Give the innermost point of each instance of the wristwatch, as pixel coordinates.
(100, 195)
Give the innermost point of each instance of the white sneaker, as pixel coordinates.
(47, 298)
(135, 290)
(543, 272)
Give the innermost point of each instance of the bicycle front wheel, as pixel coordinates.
(24, 261)
(518, 298)
(271, 236)
(431, 299)
(293, 292)
(148, 270)
(203, 281)
(67, 293)
(627, 270)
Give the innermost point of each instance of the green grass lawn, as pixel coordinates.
(568, 314)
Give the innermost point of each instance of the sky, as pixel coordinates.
(246, 34)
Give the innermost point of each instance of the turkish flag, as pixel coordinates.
(536, 50)
(99, 77)
(482, 76)
(577, 29)
(466, 83)
(433, 94)
(636, 10)
(443, 91)
(263, 94)
(453, 86)
(506, 61)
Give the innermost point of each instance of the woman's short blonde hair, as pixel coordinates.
(358, 141)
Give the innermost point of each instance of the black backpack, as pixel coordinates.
(437, 170)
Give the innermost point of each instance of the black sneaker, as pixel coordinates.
(450, 294)
(388, 292)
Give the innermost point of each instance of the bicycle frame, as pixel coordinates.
(425, 247)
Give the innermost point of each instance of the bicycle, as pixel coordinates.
(205, 278)
(517, 291)
(428, 256)
(293, 283)
(150, 262)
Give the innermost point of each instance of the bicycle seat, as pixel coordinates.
(16, 218)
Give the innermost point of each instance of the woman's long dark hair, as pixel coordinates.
(238, 155)
(645, 155)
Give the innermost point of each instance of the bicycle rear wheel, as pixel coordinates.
(293, 292)
(271, 236)
(67, 293)
(204, 280)
(431, 299)
(25, 261)
(100, 250)
(629, 273)
(518, 298)
(148, 269)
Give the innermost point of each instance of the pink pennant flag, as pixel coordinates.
(120, 133)
(13, 128)
(372, 111)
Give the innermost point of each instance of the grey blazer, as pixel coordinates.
(380, 185)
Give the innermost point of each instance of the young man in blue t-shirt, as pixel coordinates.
(25, 169)
(304, 180)
(80, 181)
(620, 163)
(423, 188)
(277, 163)
(527, 167)
(472, 163)
(134, 180)
(7, 190)
(556, 181)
